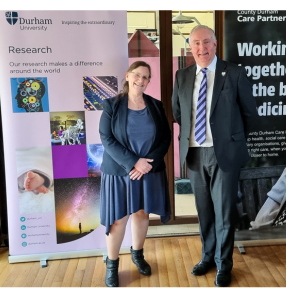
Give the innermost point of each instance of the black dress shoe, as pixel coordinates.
(223, 278)
(202, 267)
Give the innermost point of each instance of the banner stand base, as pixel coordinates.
(43, 263)
(242, 249)
(241, 244)
(43, 257)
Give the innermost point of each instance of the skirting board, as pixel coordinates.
(61, 255)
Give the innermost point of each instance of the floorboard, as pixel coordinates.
(171, 260)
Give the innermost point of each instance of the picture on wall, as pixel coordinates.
(29, 94)
(98, 88)
(67, 128)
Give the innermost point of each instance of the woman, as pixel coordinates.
(136, 136)
(60, 131)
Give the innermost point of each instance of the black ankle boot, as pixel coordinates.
(112, 277)
(138, 259)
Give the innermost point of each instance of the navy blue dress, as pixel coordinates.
(121, 196)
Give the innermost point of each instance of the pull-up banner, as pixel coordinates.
(256, 39)
(57, 67)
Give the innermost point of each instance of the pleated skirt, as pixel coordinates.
(120, 196)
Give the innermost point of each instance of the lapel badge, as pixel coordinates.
(223, 73)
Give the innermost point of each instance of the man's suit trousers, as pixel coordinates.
(215, 197)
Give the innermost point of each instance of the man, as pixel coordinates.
(213, 104)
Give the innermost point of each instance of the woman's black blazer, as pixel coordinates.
(118, 158)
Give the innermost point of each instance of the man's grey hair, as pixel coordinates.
(202, 27)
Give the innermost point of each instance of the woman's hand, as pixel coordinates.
(143, 165)
(135, 174)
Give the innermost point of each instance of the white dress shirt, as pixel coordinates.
(210, 75)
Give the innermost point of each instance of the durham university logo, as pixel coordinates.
(11, 17)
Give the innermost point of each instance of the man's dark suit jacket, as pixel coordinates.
(233, 112)
(118, 158)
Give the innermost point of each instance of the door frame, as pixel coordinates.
(166, 84)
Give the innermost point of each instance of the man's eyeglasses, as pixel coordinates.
(139, 76)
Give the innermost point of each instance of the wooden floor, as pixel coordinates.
(171, 260)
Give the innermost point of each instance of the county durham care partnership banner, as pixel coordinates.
(57, 67)
(256, 39)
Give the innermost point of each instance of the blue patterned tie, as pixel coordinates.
(200, 125)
